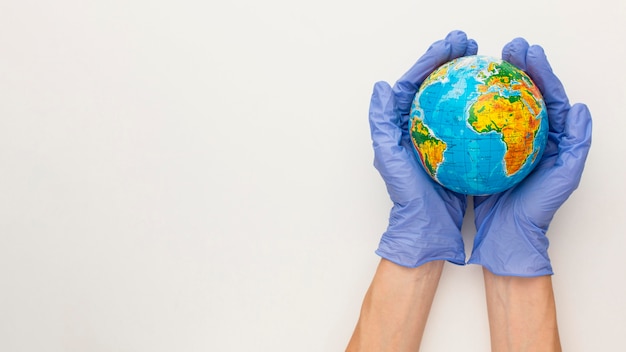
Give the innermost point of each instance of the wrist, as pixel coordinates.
(509, 248)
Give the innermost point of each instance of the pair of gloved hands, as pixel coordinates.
(425, 221)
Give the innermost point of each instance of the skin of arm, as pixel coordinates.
(395, 308)
(522, 313)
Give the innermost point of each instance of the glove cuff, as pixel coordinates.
(512, 250)
(418, 234)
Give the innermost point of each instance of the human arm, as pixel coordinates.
(395, 308)
(511, 242)
(425, 221)
(522, 313)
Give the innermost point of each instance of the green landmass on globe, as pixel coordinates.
(478, 125)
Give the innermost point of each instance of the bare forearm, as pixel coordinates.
(396, 307)
(522, 313)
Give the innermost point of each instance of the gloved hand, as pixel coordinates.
(425, 221)
(511, 238)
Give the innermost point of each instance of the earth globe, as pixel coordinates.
(478, 125)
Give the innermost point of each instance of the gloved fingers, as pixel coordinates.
(382, 118)
(458, 44)
(472, 48)
(573, 148)
(515, 52)
(454, 45)
(390, 158)
(550, 86)
(560, 181)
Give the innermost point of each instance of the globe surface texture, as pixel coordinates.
(478, 125)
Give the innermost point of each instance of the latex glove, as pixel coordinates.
(511, 238)
(425, 221)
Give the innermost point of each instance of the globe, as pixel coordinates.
(478, 125)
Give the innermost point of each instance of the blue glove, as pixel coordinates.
(425, 221)
(511, 238)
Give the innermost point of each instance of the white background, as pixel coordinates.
(197, 176)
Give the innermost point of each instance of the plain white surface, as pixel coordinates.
(197, 176)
